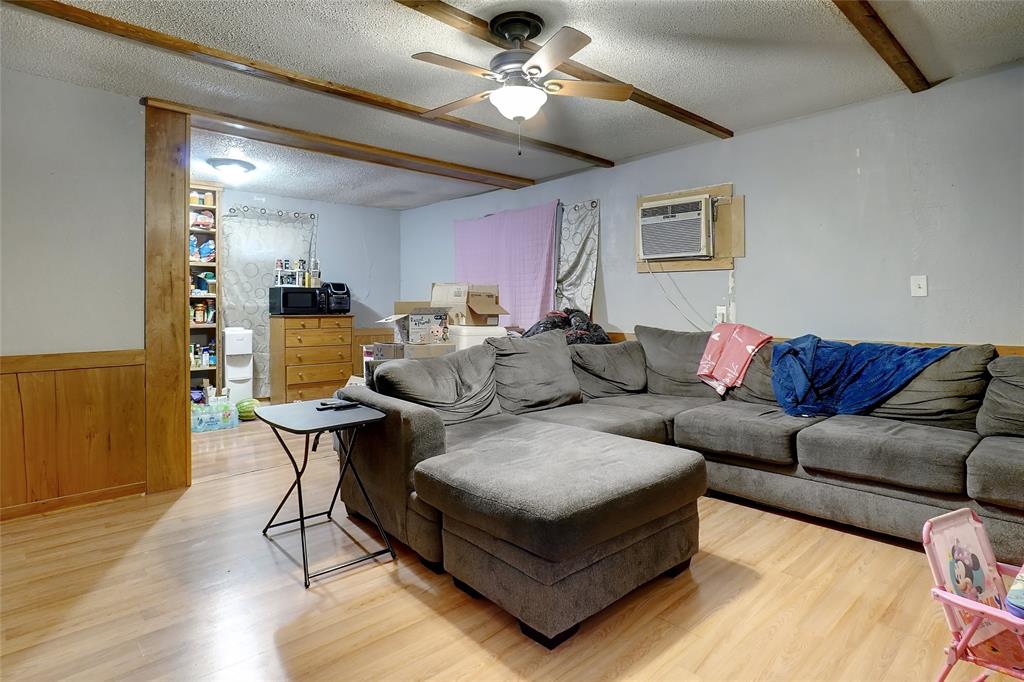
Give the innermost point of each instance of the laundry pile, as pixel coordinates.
(576, 323)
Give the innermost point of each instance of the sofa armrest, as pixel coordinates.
(387, 452)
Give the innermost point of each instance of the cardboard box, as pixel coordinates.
(406, 307)
(468, 304)
(396, 351)
(428, 350)
(388, 351)
(420, 325)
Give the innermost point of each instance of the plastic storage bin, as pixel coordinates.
(466, 336)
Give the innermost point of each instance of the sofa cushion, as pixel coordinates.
(757, 381)
(672, 360)
(1002, 413)
(888, 451)
(623, 421)
(758, 432)
(668, 406)
(502, 426)
(995, 471)
(558, 496)
(946, 393)
(460, 386)
(609, 369)
(534, 373)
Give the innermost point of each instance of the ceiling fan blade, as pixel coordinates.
(564, 44)
(618, 92)
(457, 104)
(449, 63)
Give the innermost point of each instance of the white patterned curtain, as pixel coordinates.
(577, 255)
(252, 238)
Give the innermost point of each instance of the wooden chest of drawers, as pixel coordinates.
(310, 356)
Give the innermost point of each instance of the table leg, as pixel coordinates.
(302, 512)
(296, 486)
(341, 473)
(344, 463)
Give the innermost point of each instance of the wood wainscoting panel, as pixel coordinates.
(38, 395)
(71, 436)
(13, 478)
(17, 364)
(101, 442)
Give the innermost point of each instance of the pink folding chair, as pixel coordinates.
(969, 586)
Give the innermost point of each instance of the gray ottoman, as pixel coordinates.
(555, 532)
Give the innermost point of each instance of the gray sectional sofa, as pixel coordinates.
(553, 479)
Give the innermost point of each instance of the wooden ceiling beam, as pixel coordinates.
(478, 28)
(228, 124)
(864, 18)
(277, 74)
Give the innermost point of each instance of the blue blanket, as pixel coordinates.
(814, 377)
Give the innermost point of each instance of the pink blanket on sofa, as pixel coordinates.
(728, 354)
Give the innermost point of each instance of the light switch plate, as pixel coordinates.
(919, 285)
(721, 313)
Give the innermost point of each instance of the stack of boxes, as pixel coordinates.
(457, 316)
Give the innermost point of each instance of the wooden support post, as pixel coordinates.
(168, 437)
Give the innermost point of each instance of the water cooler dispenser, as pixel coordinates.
(237, 351)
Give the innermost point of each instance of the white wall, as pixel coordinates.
(841, 208)
(72, 216)
(357, 245)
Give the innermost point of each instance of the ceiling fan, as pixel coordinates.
(520, 73)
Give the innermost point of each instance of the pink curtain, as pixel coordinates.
(516, 251)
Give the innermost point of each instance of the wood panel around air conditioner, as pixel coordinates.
(728, 226)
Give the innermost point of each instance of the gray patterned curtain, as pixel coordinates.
(251, 239)
(577, 255)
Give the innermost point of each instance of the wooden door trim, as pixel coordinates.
(168, 430)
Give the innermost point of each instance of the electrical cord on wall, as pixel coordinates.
(669, 299)
(696, 312)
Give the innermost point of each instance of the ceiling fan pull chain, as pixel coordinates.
(519, 140)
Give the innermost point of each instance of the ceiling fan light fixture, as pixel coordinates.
(518, 102)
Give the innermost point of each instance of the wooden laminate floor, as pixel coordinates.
(183, 586)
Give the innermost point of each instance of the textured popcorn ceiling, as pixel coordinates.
(288, 172)
(741, 63)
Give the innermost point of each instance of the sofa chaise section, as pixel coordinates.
(556, 531)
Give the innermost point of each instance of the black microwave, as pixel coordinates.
(294, 301)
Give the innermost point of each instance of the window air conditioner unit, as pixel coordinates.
(676, 228)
